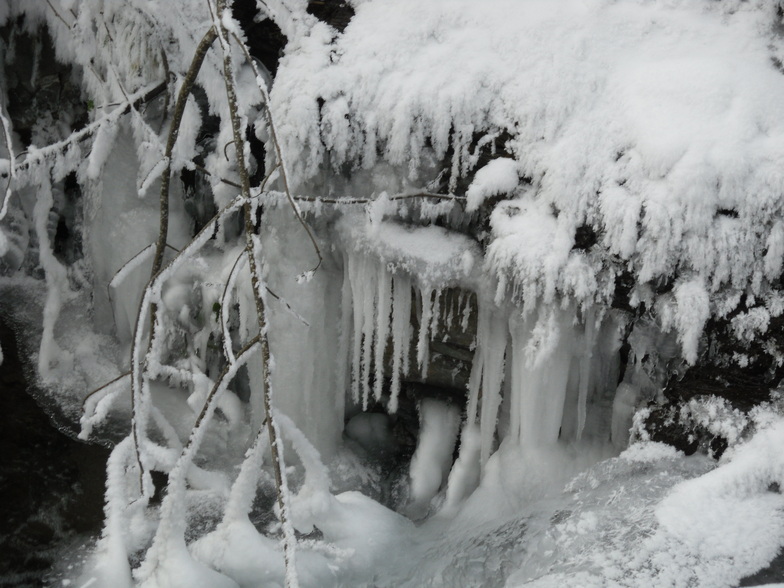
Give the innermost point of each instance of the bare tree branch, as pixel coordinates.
(104, 387)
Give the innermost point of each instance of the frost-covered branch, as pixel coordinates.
(289, 544)
(38, 156)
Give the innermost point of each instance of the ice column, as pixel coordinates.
(487, 374)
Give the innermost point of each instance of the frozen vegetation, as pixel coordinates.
(405, 293)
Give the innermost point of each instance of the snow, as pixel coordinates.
(436, 256)
(644, 120)
(499, 177)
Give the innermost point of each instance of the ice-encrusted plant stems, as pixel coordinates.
(160, 247)
(289, 541)
(137, 378)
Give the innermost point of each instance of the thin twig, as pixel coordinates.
(227, 350)
(325, 200)
(226, 146)
(58, 15)
(218, 383)
(104, 387)
(167, 99)
(106, 28)
(288, 307)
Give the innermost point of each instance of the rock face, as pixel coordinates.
(451, 348)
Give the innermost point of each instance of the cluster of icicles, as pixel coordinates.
(551, 374)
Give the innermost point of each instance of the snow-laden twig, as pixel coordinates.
(408, 195)
(226, 303)
(96, 405)
(171, 527)
(39, 156)
(138, 379)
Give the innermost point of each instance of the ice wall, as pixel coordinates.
(304, 332)
(119, 225)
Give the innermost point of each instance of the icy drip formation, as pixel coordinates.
(381, 310)
(393, 273)
(562, 375)
(536, 378)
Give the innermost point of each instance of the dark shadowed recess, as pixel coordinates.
(51, 486)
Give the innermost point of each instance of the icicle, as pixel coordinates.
(435, 316)
(464, 477)
(368, 303)
(466, 312)
(540, 375)
(627, 396)
(585, 369)
(521, 396)
(382, 327)
(346, 311)
(432, 460)
(401, 320)
(50, 353)
(357, 295)
(449, 312)
(423, 343)
(493, 333)
(474, 384)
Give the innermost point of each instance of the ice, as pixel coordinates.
(383, 315)
(464, 475)
(432, 460)
(427, 298)
(491, 347)
(600, 131)
(401, 335)
(625, 404)
(52, 359)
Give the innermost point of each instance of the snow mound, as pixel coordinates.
(648, 125)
